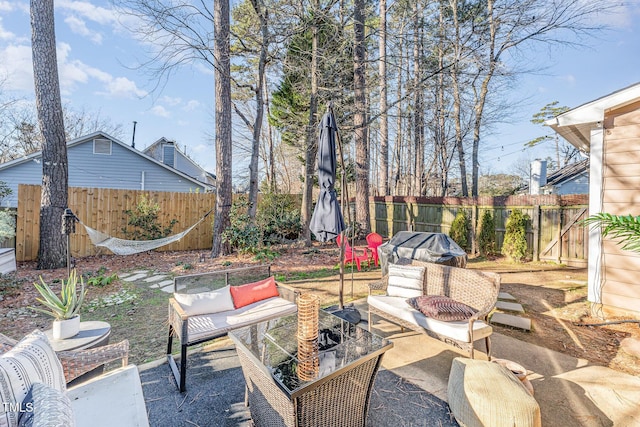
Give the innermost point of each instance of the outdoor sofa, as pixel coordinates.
(462, 289)
(209, 305)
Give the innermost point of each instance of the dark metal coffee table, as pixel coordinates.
(337, 392)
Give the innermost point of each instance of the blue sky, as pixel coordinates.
(97, 60)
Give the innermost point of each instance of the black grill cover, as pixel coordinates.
(431, 247)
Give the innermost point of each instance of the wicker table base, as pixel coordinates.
(340, 402)
(286, 388)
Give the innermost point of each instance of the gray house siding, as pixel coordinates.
(122, 169)
(578, 185)
(186, 166)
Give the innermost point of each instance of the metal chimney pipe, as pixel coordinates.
(133, 138)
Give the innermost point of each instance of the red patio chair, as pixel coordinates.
(351, 255)
(373, 241)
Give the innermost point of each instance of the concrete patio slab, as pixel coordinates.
(571, 392)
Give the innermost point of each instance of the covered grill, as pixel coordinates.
(431, 247)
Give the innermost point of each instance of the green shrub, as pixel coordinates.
(7, 225)
(99, 278)
(242, 235)
(459, 229)
(514, 246)
(487, 237)
(278, 216)
(144, 219)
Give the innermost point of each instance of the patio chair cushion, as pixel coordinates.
(46, 406)
(205, 302)
(405, 281)
(30, 361)
(252, 292)
(441, 307)
(457, 330)
(201, 326)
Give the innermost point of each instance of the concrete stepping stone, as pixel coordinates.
(511, 320)
(161, 284)
(510, 306)
(155, 278)
(135, 277)
(169, 289)
(506, 296)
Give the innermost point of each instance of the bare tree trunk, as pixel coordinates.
(384, 117)
(418, 117)
(455, 69)
(52, 252)
(360, 119)
(222, 77)
(257, 124)
(312, 145)
(273, 182)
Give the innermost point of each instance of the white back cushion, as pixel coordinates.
(405, 281)
(205, 302)
(32, 360)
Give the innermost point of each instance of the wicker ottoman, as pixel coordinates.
(486, 394)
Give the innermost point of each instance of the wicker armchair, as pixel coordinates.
(79, 362)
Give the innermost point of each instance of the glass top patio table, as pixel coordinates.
(273, 345)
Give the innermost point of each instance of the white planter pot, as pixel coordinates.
(63, 329)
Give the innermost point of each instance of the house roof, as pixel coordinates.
(91, 137)
(568, 172)
(576, 124)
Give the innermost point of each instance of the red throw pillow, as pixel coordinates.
(252, 292)
(441, 307)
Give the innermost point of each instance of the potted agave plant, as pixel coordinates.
(64, 308)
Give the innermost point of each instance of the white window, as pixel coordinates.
(102, 146)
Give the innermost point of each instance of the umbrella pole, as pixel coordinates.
(345, 203)
(343, 245)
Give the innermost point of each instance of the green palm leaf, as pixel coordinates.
(624, 228)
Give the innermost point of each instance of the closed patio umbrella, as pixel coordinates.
(327, 221)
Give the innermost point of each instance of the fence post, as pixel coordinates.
(474, 228)
(536, 232)
(559, 258)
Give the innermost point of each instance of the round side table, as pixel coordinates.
(92, 334)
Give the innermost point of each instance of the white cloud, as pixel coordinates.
(192, 105)
(16, 67)
(78, 26)
(5, 34)
(122, 87)
(568, 78)
(6, 6)
(160, 111)
(89, 11)
(171, 101)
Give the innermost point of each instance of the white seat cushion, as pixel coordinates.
(458, 330)
(206, 325)
(405, 281)
(112, 399)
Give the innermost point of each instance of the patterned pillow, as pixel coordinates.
(441, 307)
(32, 360)
(405, 281)
(45, 406)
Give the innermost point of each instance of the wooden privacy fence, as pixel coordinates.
(103, 209)
(552, 230)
